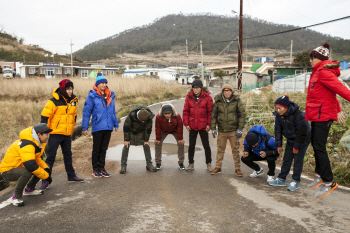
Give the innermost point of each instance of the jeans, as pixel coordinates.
(180, 150)
(99, 149)
(205, 141)
(271, 162)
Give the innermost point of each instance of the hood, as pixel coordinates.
(329, 65)
(205, 90)
(259, 129)
(161, 110)
(57, 95)
(218, 97)
(293, 107)
(27, 134)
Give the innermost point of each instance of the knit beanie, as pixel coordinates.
(197, 83)
(65, 84)
(321, 52)
(227, 86)
(100, 79)
(142, 114)
(283, 101)
(251, 138)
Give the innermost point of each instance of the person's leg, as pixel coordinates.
(287, 162)
(125, 154)
(52, 146)
(321, 130)
(148, 155)
(19, 174)
(205, 141)
(317, 162)
(298, 163)
(180, 150)
(66, 146)
(96, 147)
(106, 136)
(249, 161)
(271, 163)
(234, 142)
(192, 146)
(158, 148)
(221, 144)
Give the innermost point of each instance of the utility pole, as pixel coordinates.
(246, 49)
(71, 57)
(291, 51)
(240, 47)
(24, 58)
(187, 53)
(202, 67)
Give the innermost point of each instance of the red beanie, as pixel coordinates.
(64, 84)
(321, 52)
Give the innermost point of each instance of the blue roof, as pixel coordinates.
(260, 58)
(138, 71)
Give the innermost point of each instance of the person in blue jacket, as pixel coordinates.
(260, 145)
(290, 122)
(100, 104)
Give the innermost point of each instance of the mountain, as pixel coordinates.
(173, 30)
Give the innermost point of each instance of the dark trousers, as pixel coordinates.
(319, 135)
(23, 178)
(288, 158)
(205, 141)
(271, 162)
(146, 149)
(65, 142)
(99, 149)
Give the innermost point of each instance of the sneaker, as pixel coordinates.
(158, 166)
(278, 182)
(151, 168)
(181, 166)
(326, 189)
(44, 185)
(190, 167)
(17, 201)
(104, 173)
(270, 178)
(209, 167)
(96, 174)
(293, 186)
(255, 173)
(317, 181)
(238, 172)
(123, 169)
(216, 170)
(75, 179)
(32, 192)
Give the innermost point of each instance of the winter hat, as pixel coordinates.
(42, 128)
(142, 114)
(64, 84)
(167, 109)
(321, 52)
(283, 101)
(197, 83)
(100, 79)
(252, 138)
(227, 86)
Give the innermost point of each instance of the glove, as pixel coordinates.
(214, 133)
(239, 133)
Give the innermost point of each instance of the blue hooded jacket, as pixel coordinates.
(271, 149)
(293, 126)
(103, 117)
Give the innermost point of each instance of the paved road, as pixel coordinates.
(171, 200)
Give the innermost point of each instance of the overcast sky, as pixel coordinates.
(52, 24)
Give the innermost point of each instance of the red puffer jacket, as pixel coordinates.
(174, 126)
(322, 103)
(197, 114)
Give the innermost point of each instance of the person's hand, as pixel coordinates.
(341, 117)
(245, 154)
(214, 133)
(188, 128)
(156, 142)
(262, 154)
(181, 142)
(295, 151)
(116, 129)
(208, 128)
(84, 132)
(239, 133)
(127, 144)
(146, 143)
(279, 150)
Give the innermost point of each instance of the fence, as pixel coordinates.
(254, 86)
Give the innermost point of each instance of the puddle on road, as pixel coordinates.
(136, 152)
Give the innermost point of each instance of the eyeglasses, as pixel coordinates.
(227, 90)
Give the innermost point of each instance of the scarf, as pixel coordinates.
(107, 93)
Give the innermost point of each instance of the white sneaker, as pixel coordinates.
(255, 173)
(270, 178)
(32, 192)
(17, 201)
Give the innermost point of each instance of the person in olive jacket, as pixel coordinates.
(229, 115)
(137, 130)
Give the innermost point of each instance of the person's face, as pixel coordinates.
(255, 145)
(227, 93)
(314, 61)
(167, 115)
(69, 91)
(196, 90)
(102, 86)
(43, 137)
(281, 110)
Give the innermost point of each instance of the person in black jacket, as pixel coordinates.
(290, 122)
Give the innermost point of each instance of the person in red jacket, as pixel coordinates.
(196, 117)
(168, 121)
(322, 108)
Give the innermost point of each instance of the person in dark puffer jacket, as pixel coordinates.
(290, 122)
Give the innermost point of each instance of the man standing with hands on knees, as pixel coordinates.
(168, 121)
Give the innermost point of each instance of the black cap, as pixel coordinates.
(167, 109)
(197, 83)
(42, 128)
(252, 138)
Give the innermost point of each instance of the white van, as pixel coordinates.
(7, 73)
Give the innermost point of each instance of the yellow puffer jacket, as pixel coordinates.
(60, 115)
(25, 152)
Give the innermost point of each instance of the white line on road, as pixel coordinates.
(6, 203)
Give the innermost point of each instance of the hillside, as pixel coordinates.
(172, 30)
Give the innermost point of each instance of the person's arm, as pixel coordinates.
(241, 114)
(116, 122)
(214, 117)
(158, 129)
(329, 79)
(148, 129)
(186, 113)
(278, 133)
(209, 109)
(87, 111)
(272, 149)
(48, 112)
(247, 148)
(27, 154)
(301, 131)
(180, 128)
(126, 129)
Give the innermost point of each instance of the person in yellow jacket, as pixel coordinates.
(60, 114)
(23, 163)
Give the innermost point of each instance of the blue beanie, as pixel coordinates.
(100, 79)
